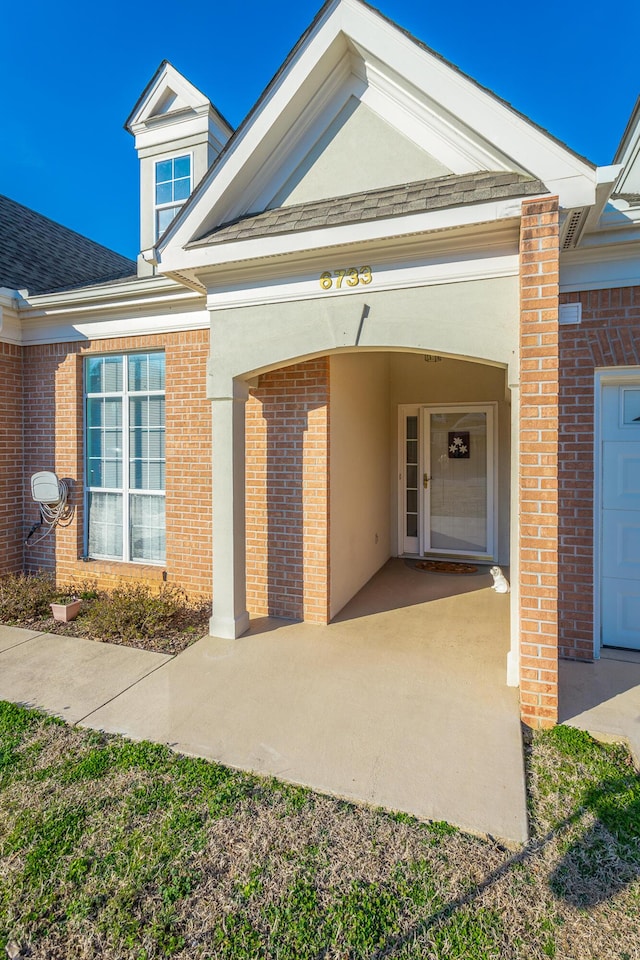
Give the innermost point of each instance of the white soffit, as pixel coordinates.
(352, 50)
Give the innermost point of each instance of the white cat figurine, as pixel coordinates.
(500, 582)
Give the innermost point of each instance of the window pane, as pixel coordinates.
(104, 375)
(105, 525)
(94, 375)
(146, 372)
(111, 412)
(112, 444)
(111, 474)
(156, 412)
(181, 189)
(104, 473)
(94, 413)
(146, 411)
(104, 412)
(94, 469)
(146, 475)
(412, 451)
(147, 528)
(156, 371)
(182, 167)
(164, 171)
(165, 217)
(137, 475)
(138, 378)
(94, 442)
(163, 193)
(147, 444)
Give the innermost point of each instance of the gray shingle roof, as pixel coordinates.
(43, 256)
(423, 195)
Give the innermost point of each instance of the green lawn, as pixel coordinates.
(118, 850)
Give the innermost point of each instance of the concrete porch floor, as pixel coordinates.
(401, 702)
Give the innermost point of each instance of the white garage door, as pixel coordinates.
(620, 565)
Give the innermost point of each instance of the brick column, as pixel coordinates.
(538, 487)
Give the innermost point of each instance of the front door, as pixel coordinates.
(620, 525)
(458, 481)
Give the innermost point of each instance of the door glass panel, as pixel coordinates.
(411, 474)
(458, 482)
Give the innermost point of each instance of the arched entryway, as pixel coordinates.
(324, 490)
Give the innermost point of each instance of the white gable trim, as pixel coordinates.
(147, 122)
(345, 26)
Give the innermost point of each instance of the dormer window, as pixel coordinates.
(173, 186)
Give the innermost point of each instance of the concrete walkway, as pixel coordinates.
(604, 697)
(401, 703)
(68, 676)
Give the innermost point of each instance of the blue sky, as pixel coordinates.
(71, 72)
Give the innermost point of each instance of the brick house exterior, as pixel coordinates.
(294, 298)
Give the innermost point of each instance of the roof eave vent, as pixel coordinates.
(572, 228)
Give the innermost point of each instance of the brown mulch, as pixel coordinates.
(185, 630)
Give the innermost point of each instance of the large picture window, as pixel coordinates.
(125, 457)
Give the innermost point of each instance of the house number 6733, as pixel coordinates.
(350, 277)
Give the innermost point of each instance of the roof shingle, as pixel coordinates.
(434, 194)
(44, 257)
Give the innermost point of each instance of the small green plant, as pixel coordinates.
(133, 612)
(26, 596)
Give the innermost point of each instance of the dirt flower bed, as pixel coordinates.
(123, 851)
(164, 620)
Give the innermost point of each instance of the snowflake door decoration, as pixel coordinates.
(459, 445)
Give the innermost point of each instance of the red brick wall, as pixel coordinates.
(609, 336)
(287, 482)
(539, 264)
(53, 441)
(11, 457)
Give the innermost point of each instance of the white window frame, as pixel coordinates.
(125, 490)
(173, 204)
(416, 547)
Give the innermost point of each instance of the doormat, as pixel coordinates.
(445, 566)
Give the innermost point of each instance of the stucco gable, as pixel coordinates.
(358, 151)
(352, 54)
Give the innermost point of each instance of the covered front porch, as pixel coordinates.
(400, 702)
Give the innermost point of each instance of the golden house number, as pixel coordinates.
(350, 277)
